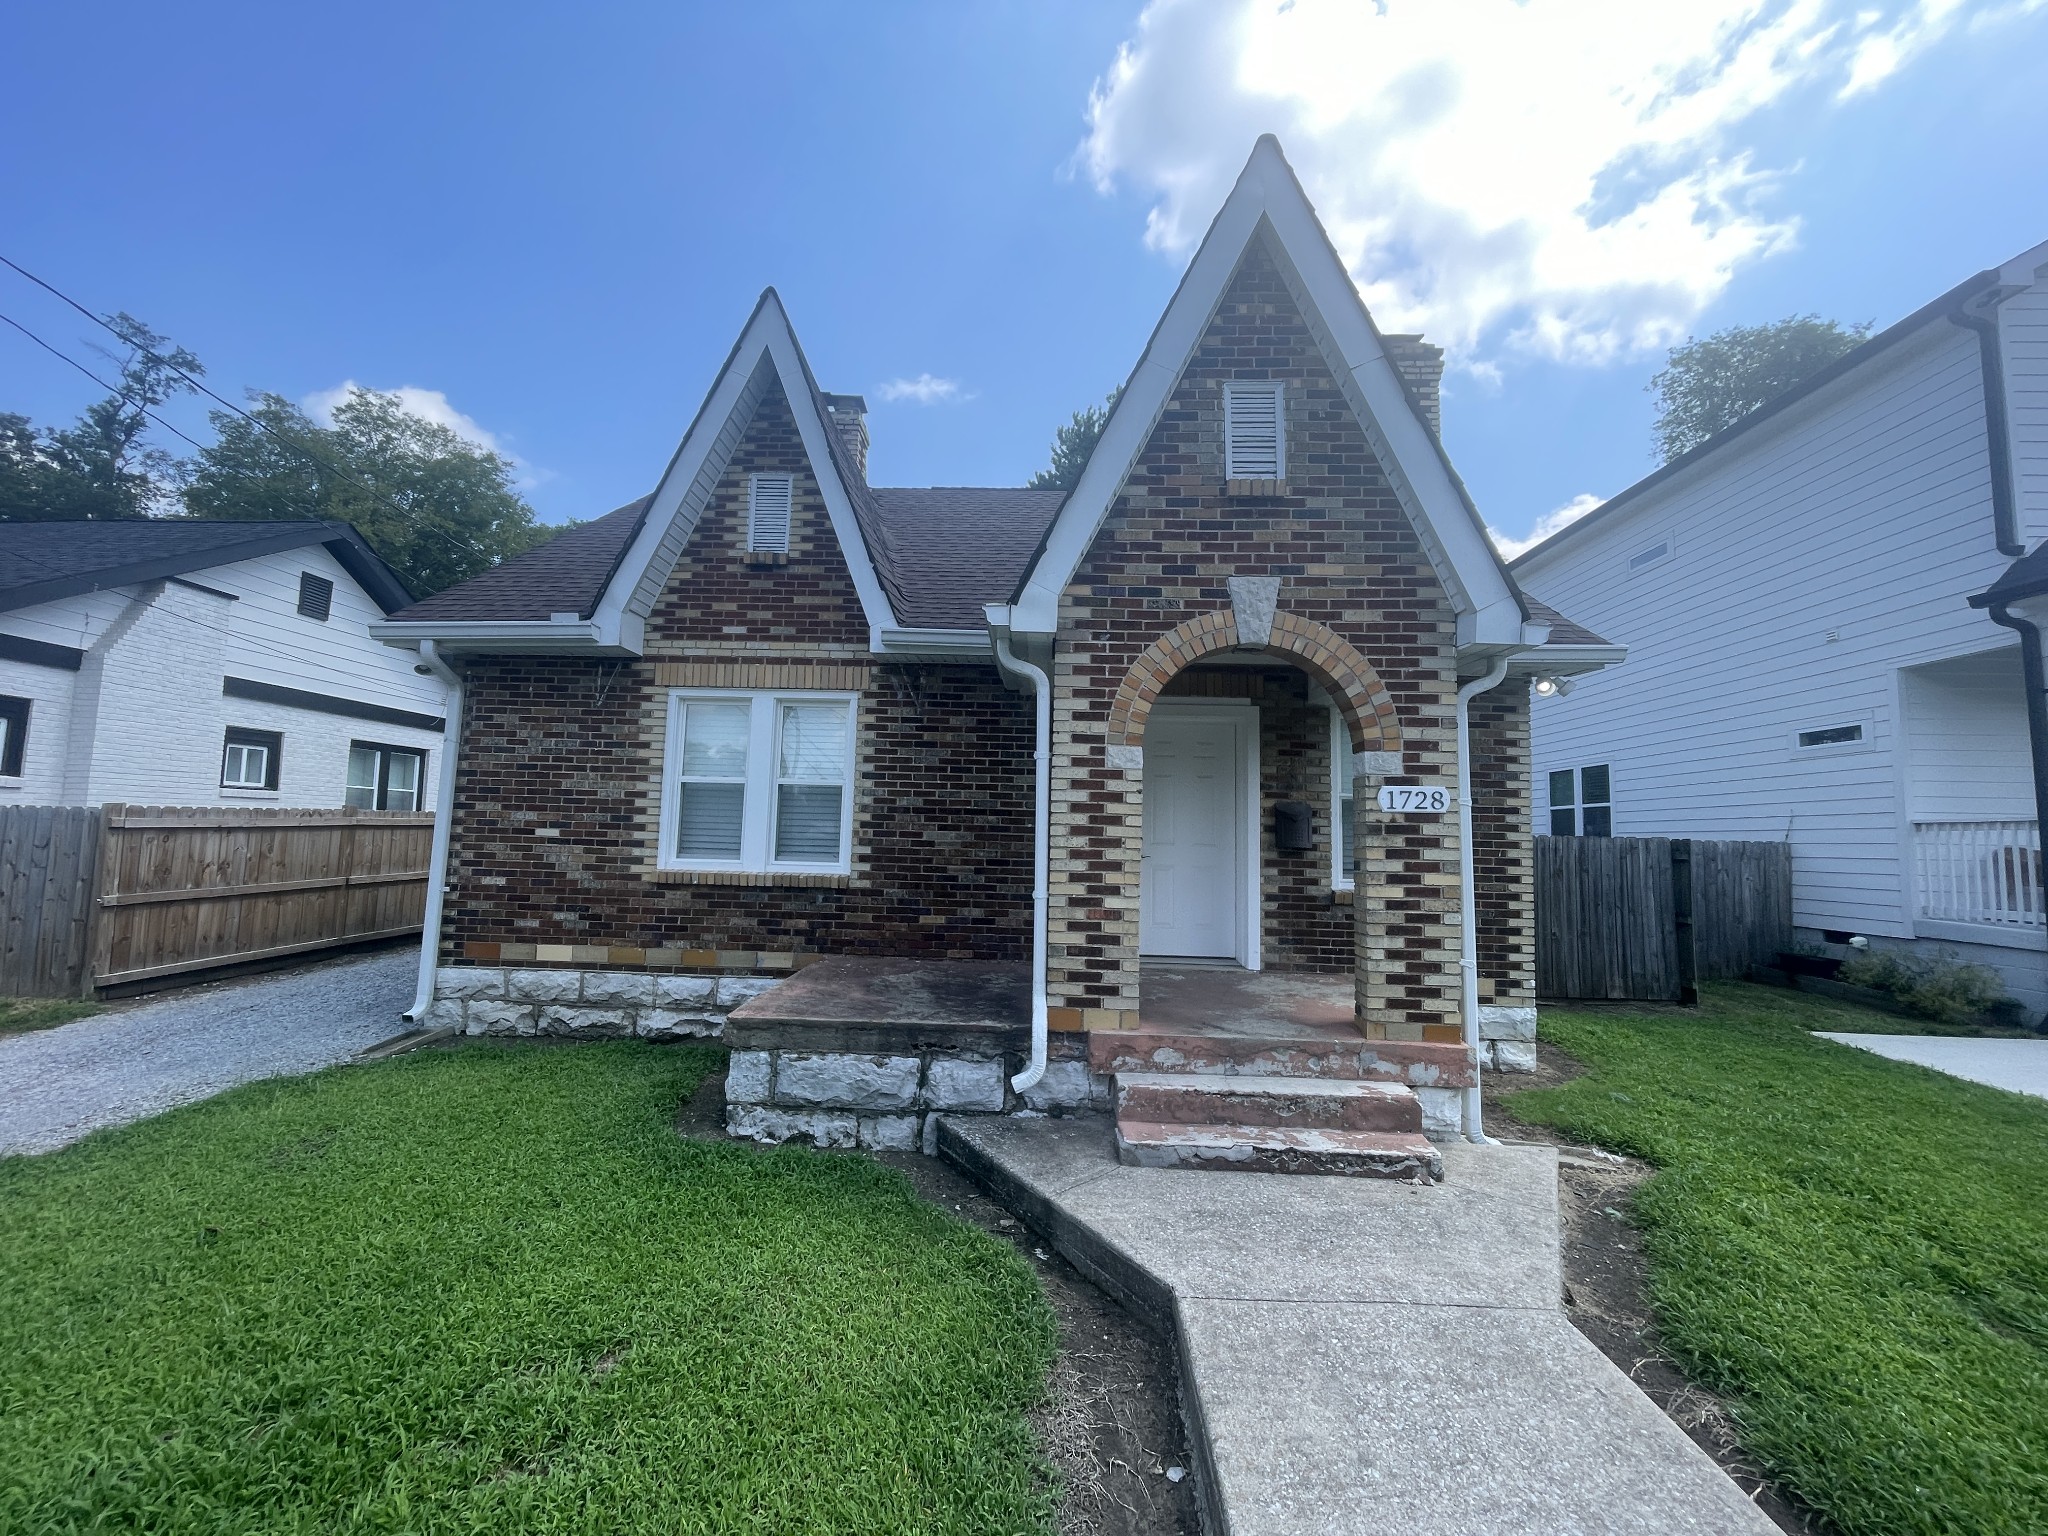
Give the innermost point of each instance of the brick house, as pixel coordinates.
(1012, 796)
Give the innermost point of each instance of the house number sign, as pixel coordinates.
(1415, 799)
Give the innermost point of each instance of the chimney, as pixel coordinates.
(849, 415)
(1422, 365)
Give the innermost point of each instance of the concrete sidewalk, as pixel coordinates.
(2018, 1066)
(1360, 1355)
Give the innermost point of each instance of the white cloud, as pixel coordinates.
(1546, 525)
(431, 405)
(925, 389)
(1568, 178)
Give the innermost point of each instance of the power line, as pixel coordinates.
(114, 389)
(256, 421)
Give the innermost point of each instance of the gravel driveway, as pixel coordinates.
(140, 1059)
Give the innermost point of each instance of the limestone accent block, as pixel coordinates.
(1497, 1022)
(488, 1016)
(670, 1024)
(1514, 1056)
(819, 1127)
(544, 986)
(1253, 602)
(1124, 759)
(958, 1083)
(749, 1075)
(1443, 1113)
(889, 1133)
(734, 990)
(1065, 1085)
(467, 981)
(846, 1081)
(586, 1023)
(618, 989)
(685, 991)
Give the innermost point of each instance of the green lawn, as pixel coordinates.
(490, 1290)
(18, 1014)
(1853, 1251)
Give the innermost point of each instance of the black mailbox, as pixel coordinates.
(1293, 826)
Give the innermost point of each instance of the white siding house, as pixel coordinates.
(1804, 660)
(192, 663)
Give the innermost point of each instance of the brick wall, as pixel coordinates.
(1348, 559)
(1503, 853)
(558, 795)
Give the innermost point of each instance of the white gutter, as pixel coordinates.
(1041, 847)
(1468, 924)
(444, 814)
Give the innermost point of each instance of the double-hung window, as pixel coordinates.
(1582, 802)
(759, 782)
(384, 778)
(1343, 807)
(250, 759)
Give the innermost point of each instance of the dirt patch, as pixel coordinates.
(1605, 1295)
(1111, 1419)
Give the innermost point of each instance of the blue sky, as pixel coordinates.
(554, 223)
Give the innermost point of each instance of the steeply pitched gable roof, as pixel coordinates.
(1268, 204)
(42, 562)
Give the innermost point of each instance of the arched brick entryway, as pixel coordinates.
(1317, 649)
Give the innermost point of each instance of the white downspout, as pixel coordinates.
(1041, 847)
(444, 814)
(1468, 925)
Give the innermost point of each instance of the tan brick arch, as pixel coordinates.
(1317, 649)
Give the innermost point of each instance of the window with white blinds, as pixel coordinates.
(1254, 435)
(768, 503)
(758, 782)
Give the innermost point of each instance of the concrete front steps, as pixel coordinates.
(1417, 1063)
(1361, 1127)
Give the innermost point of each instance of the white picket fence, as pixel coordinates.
(1980, 872)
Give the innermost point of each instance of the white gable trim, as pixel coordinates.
(766, 351)
(1267, 195)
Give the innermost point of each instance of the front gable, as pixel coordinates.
(765, 363)
(1267, 211)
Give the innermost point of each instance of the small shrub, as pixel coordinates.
(1939, 987)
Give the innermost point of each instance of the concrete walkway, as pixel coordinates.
(140, 1059)
(1365, 1356)
(2019, 1066)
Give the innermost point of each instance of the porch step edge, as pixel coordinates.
(1279, 1149)
(1320, 1103)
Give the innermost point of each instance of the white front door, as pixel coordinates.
(1191, 884)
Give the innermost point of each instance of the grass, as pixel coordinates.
(20, 1014)
(490, 1290)
(1853, 1251)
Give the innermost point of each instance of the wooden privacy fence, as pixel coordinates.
(1645, 919)
(124, 894)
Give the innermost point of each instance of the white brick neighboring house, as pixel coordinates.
(1814, 654)
(206, 663)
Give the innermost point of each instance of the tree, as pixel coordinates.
(437, 507)
(1711, 383)
(101, 467)
(1072, 444)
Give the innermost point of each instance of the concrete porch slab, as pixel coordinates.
(1287, 1005)
(859, 1004)
(1361, 1356)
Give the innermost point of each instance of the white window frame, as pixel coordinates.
(380, 790)
(272, 748)
(772, 538)
(1342, 789)
(757, 822)
(1864, 723)
(1235, 390)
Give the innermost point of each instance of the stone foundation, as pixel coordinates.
(1507, 1038)
(587, 1005)
(887, 1100)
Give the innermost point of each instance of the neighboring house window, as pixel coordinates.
(316, 596)
(13, 735)
(760, 782)
(384, 778)
(1832, 736)
(1343, 817)
(249, 760)
(768, 503)
(1254, 442)
(1581, 802)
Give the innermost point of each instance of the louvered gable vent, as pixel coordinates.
(1254, 444)
(768, 499)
